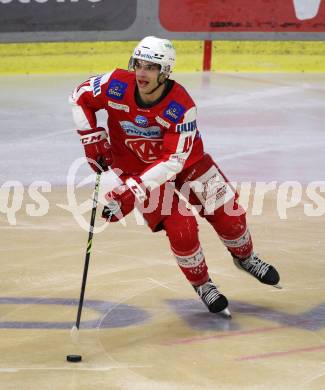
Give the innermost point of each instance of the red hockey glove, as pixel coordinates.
(122, 199)
(97, 148)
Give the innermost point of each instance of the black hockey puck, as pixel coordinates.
(74, 358)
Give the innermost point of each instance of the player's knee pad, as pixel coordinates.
(233, 232)
(182, 232)
(228, 224)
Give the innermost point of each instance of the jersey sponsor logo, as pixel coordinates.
(162, 122)
(148, 132)
(184, 127)
(147, 150)
(212, 190)
(213, 187)
(141, 121)
(96, 86)
(174, 111)
(118, 106)
(116, 89)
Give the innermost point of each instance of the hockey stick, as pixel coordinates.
(88, 251)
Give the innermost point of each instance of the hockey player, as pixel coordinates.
(155, 142)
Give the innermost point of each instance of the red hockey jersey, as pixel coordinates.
(154, 143)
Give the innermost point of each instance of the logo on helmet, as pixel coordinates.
(145, 56)
(157, 50)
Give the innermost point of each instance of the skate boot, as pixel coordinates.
(263, 272)
(212, 298)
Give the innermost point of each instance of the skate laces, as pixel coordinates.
(255, 266)
(208, 292)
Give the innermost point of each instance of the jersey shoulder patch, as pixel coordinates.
(116, 89)
(118, 84)
(180, 103)
(174, 111)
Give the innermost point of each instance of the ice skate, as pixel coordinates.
(260, 270)
(213, 299)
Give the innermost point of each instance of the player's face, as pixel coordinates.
(146, 75)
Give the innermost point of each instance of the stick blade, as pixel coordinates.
(74, 333)
(226, 313)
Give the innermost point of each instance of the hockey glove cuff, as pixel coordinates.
(122, 199)
(97, 148)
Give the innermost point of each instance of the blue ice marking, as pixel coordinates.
(196, 316)
(111, 315)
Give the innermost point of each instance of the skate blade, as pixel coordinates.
(277, 286)
(225, 313)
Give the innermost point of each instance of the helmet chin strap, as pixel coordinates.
(154, 90)
(160, 80)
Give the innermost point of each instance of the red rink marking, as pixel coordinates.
(281, 353)
(224, 335)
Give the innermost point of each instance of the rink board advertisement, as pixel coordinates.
(66, 15)
(243, 15)
(125, 20)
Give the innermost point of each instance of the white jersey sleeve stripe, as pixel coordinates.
(80, 118)
(166, 169)
(78, 92)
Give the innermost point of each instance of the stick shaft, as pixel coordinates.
(88, 250)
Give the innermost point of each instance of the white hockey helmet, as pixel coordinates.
(157, 50)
